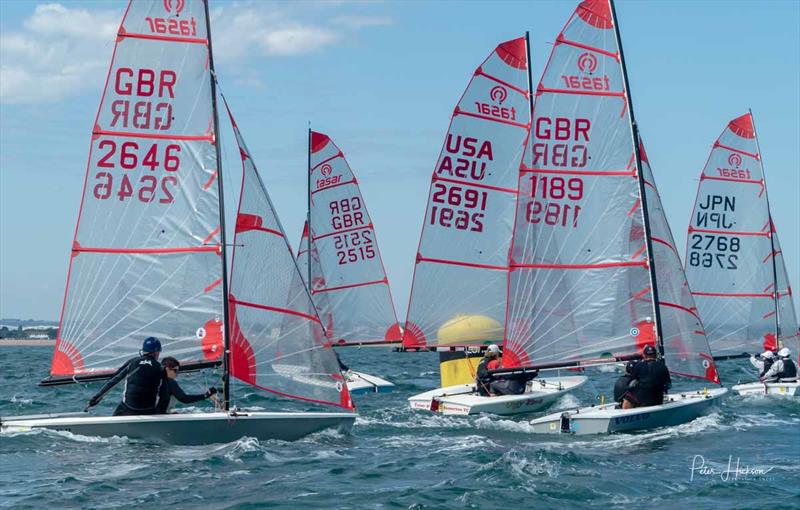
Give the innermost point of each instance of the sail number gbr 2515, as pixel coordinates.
(156, 183)
(714, 251)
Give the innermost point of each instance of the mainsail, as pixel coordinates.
(147, 257)
(458, 294)
(733, 257)
(349, 284)
(277, 340)
(581, 285)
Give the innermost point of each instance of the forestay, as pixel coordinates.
(277, 340)
(349, 284)
(729, 253)
(580, 286)
(458, 294)
(146, 258)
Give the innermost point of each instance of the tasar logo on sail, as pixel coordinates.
(498, 95)
(587, 64)
(172, 26)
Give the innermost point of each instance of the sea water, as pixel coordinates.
(744, 455)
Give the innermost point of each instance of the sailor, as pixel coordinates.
(763, 362)
(621, 386)
(170, 387)
(490, 361)
(782, 369)
(650, 381)
(142, 376)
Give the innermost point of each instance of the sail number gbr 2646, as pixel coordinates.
(156, 183)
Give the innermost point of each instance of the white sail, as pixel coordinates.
(278, 343)
(350, 287)
(146, 253)
(458, 293)
(730, 248)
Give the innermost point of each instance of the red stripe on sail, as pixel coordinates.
(211, 235)
(475, 185)
(560, 40)
(458, 111)
(344, 231)
(340, 155)
(212, 286)
(351, 286)
(542, 89)
(145, 251)
(276, 309)
(739, 151)
(732, 294)
(770, 314)
(479, 72)
(190, 40)
(727, 232)
(679, 307)
(353, 181)
(153, 136)
(704, 177)
(601, 265)
(420, 258)
(611, 173)
(210, 180)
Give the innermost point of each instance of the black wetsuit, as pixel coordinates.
(342, 366)
(142, 376)
(170, 388)
(767, 365)
(483, 378)
(789, 370)
(652, 381)
(621, 386)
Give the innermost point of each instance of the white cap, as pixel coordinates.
(768, 354)
(493, 348)
(785, 352)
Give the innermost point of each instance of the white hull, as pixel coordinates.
(603, 419)
(784, 388)
(190, 428)
(463, 399)
(359, 382)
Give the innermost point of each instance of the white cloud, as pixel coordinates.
(356, 21)
(61, 51)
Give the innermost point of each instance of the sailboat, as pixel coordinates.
(596, 276)
(460, 286)
(734, 260)
(341, 263)
(149, 256)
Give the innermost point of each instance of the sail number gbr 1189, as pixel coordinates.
(553, 200)
(156, 182)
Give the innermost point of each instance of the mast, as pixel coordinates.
(226, 390)
(308, 208)
(530, 77)
(775, 290)
(642, 192)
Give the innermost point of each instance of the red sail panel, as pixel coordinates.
(458, 294)
(277, 340)
(354, 293)
(729, 252)
(304, 258)
(145, 257)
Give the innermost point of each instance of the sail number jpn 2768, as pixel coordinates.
(714, 250)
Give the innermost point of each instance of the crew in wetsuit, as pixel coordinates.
(783, 368)
(763, 362)
(142, 376)
(170, 388)
(650, 381)
(621, 386)
(344, 368)
(483, 379)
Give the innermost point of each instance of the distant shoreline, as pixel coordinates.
(26, 342)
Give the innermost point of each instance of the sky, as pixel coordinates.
(381, 78)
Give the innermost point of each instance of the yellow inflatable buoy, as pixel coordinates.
(470, 329)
